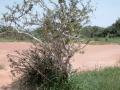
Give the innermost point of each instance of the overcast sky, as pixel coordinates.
(107, 11)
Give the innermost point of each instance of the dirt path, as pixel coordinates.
(95, 56)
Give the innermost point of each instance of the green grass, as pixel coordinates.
(104, 79)
(115, 40)
(98, 40)
(107, 79)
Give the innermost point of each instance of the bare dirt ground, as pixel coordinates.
(95, 56)
(8, 48)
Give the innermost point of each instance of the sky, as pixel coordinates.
(106, 13)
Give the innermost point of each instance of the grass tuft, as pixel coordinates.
(1, 67)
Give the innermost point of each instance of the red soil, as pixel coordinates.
(8, 48)
(95, 56)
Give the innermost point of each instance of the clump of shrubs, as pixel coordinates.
(37, 69)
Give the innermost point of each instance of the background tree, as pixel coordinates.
(116, 27)
(92, 31)
(48, 63)
(95, 31)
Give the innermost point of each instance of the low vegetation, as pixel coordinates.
(106, 79)
(101, 40)
(7, 34)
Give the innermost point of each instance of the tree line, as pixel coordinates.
(87, 31)
(9, 33)
(96, 31)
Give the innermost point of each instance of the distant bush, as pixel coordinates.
(92, 31)
(8, 33)
(95, 31)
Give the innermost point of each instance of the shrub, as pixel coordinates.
(38, 68)
(47, 65)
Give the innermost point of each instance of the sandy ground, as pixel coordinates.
(8, 48)
(95, 56)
